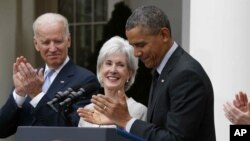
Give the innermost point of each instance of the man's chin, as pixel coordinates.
(148, 65)
(54, 64)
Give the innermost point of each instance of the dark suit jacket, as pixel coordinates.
(11, 116)
(183, 105)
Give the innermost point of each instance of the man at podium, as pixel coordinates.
(27, 104)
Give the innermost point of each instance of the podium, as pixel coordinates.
(42, 133)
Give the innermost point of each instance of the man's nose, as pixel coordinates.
(137, 53)
(52, 46)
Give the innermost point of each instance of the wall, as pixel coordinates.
(7, 48)
(24, 32)
(219, 39)
(7, 45)
(16, 38)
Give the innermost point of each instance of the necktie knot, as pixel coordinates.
(155, 78)
(49, 73)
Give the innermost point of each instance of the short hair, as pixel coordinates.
(118, 45)
(48, 18)
(150, 18)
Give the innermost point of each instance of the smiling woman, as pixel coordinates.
(116, 70)
(122, 50)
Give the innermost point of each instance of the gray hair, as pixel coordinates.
(48, 18)
(118, 45)
(150, 18)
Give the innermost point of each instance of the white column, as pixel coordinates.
(220, 40)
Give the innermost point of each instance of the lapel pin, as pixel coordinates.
(162, 81)
(61, 81)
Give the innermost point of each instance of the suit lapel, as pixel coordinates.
(61, 80)
(161, 82)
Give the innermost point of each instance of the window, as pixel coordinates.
(86, 22)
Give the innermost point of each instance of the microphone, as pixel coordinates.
(61, 95)
(85, 91)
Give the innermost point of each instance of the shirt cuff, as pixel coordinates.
(18, 99)
(36, 99)
(129, 124)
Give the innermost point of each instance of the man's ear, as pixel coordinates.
(69, 41)
(35, 44)
(165, 33)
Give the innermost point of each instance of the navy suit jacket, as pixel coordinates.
(183, 105)
(11, 116)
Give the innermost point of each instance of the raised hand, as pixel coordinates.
(26, 79)
(93, 116)
(115, 110)
(241, 101)
(238, 112)
(18, 78)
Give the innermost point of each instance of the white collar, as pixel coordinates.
(59, 68)
(166, 57)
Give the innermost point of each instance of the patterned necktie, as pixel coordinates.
(47, 80)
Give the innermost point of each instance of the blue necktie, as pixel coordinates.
(47, 80)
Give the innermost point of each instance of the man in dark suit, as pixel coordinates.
(27, 104)
(181, 102)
